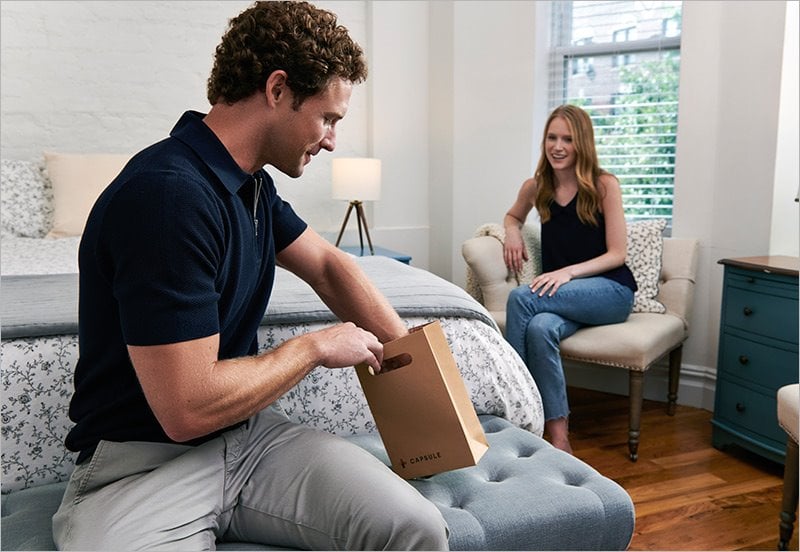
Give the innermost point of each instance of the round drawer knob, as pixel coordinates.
(740, 407)
(743, 360)
(747, 311)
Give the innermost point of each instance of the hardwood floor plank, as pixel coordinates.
(703, 495)
(688, 495)
(662, 490)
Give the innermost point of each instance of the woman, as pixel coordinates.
(585, 280)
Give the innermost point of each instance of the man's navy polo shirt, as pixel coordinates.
(170, 253)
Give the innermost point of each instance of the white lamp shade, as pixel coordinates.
(356, 178)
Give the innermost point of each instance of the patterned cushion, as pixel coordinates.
(37, 384)
(645, 246)
(26, 197)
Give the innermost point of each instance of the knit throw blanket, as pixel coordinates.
(530, 268)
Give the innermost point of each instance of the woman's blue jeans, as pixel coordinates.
(536, 325)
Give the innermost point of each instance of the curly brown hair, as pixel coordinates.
(295, 37)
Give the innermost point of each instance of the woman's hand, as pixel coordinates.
(514, 252)
(549, 282)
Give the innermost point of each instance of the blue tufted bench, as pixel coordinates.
(523, 495)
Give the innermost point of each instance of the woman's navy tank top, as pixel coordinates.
(566, 241)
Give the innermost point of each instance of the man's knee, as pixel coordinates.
(418, 526)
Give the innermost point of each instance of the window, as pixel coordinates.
(623, 35)
(620, 60)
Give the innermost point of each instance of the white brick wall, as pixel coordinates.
(103, 76)
(114, 76)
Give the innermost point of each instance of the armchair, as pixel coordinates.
(788, 408)
(634, 345)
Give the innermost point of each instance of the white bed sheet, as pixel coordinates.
(38, 255)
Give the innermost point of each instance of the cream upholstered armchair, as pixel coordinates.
(665, 270)
(788, 409)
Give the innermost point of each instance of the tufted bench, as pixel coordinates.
(523, 495)
(515, 498)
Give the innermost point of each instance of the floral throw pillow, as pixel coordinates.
(645, 246)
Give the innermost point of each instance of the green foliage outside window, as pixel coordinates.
(635, 135)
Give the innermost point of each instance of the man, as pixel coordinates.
(179, 443)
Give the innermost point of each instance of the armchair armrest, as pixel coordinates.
(488, 279)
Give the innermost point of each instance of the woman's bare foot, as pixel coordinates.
(562, 444)
(558, 430)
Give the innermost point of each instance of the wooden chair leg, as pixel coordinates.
(789, 505)
(635, 381)
(674, 378)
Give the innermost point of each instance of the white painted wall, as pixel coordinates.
(785, 233)
(493, 111)
(731, 62)
(454, 107)
(398, 124)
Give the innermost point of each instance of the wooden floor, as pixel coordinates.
(688, 495)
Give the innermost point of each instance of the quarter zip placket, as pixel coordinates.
(256, 194)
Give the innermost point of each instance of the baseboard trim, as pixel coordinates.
(696, 386)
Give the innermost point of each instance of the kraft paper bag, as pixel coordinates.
(422, 409)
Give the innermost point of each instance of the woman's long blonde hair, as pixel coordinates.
(587, 167)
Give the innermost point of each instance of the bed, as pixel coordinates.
(39, 335)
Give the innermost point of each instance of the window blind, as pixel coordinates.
(620, 61)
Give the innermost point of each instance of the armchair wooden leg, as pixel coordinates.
(789, 505)
(674, 378)
(635, 380)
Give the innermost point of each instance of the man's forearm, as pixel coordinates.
(352, 297)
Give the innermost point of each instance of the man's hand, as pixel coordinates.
(346, 345)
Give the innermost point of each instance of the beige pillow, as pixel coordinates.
(78, 179)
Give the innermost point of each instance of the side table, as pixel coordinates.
(382, 251)
(757, 352)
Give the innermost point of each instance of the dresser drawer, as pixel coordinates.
(761, 310)
(749, 410)
(769, 367)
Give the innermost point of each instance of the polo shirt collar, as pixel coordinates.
(192, 131)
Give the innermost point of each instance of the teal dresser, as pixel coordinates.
(757, 352)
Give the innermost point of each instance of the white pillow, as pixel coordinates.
(645, 246)
(78, 179)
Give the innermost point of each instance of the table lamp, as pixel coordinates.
(356, 179)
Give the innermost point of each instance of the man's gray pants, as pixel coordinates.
(268, 481)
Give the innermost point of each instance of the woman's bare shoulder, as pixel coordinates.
(529, 187)
(607, 182)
